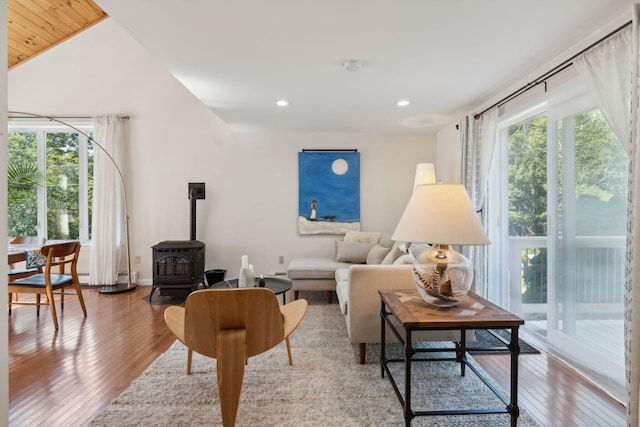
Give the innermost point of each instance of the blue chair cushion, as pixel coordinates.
(23, 271)
(37, 280)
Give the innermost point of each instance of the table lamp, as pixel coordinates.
(441, 215)
(425, 174)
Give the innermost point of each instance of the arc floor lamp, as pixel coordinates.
(118, 287)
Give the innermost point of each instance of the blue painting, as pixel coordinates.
(329, 192)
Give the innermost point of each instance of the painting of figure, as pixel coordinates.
(328, 192)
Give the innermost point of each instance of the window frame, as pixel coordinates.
(40, 127)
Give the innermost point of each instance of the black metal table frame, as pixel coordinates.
(285, 285)
(460, 350)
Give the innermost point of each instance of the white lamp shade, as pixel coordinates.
(425, 174)
(440, 214)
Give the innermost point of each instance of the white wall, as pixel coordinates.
(449, 148)
(251, 179)
(4, 330)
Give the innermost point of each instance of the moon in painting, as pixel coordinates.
(340, 166)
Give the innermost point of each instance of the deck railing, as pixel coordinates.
(598, 273)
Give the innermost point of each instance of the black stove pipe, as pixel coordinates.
(193, 213)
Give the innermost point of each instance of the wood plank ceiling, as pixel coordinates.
(37, 25)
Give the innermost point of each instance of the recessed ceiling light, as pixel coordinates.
(282, 103)
(403, 103)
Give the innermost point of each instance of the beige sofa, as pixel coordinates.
(357, 247)
(357, 290)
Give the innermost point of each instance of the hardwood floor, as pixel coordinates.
(63, 379)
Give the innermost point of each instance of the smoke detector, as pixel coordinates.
(352, 65)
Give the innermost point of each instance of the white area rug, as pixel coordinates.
(325, 387)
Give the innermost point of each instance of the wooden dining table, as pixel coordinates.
(18, 253)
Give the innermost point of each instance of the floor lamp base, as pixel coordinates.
(118, 288)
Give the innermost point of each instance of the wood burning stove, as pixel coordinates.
(178, 265)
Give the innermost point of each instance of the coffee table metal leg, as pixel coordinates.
(382, 340)
(408, 355)
(514, 349)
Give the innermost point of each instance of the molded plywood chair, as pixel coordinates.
(58, 255)
(232, 325)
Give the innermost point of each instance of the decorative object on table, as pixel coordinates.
(245, 277)
(441, 215)
(425, 174)
(328, 191)
(261, 282)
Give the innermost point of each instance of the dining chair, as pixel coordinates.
(18, 273)
(232, 325)
(58, 255)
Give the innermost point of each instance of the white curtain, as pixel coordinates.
(632, 285)
(478, 138)
(607, 70)
(611, 71)
(107, 227)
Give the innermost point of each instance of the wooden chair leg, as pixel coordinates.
(231, 355)
(289, 351)
(295, 294)
(330, 296)
(10, 300)
(80, 297)
(52, 306)
(38, 304)
(189, 358)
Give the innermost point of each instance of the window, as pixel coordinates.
(50, 178)
(561, 190)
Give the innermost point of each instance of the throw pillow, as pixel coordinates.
(393, 254)
(377, 254)
(371, 237)
(355, 253)
(386, 241)
(403, 259)
(416, 249)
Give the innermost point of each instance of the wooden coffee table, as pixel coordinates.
(414, 314)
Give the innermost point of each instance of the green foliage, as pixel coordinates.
(535, 278)
(600, 169)
(61, 178)
(63, 210)
(23, 180)
(528, 178)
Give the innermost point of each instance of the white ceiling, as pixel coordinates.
(446, 57)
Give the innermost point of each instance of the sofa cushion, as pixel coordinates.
(314, 268)
(371, 237)
(352, 252)
(377, 254)
(342, 289)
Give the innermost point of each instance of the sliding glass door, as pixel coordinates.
(559, 186)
